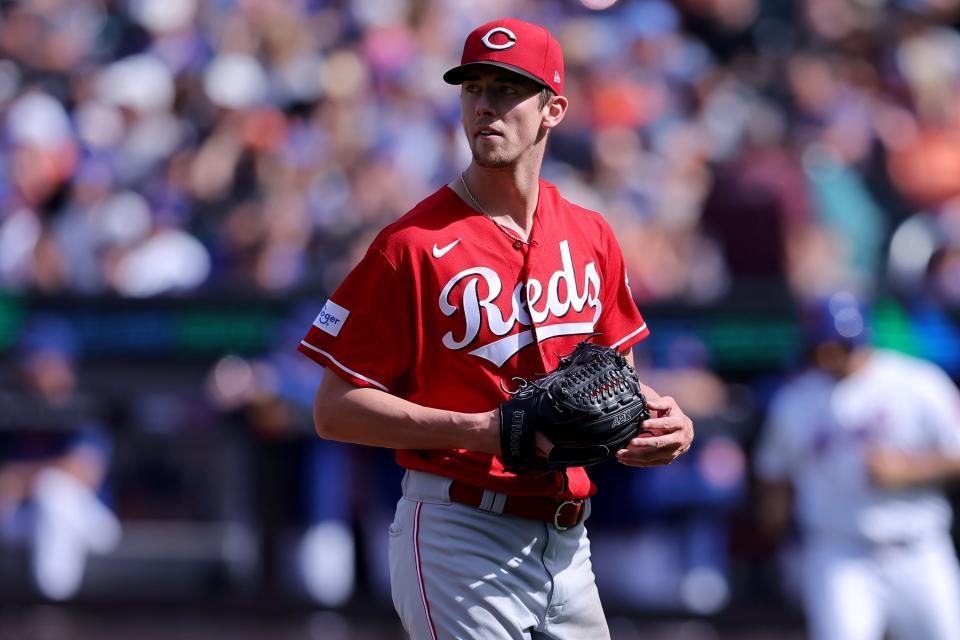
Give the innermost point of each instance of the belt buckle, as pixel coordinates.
(556, 515)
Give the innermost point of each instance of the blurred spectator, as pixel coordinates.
(54, 460)
(305, 485)
(758, 202)
(157, 147)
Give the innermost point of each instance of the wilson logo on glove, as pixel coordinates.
(516, 432)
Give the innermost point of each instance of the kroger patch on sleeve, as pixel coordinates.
(331, 318)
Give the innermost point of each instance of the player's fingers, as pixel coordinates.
(648, 457)
(666, 424)
(670, 439)
(663, 403)
(543, 444)
(675, 439)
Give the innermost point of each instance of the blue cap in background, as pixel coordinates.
(842, 317)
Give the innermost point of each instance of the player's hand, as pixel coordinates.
(890, 469)
(543, 445)
(670, 435)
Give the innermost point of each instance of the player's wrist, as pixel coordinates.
(493, 432)
(483, 432)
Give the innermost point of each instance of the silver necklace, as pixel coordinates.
(517, 240)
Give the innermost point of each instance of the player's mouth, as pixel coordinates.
(486, 132)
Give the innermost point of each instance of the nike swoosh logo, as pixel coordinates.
(439, 252)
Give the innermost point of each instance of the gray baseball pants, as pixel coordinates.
(461, 572)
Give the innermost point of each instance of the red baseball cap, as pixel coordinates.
(522, 47)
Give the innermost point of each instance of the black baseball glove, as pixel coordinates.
(589, 407)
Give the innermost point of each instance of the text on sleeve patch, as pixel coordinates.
(331, 318)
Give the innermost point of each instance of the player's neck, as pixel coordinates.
(508, 195)
(857, 360)
(849, 364)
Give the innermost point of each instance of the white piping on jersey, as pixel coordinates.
(628, 336)
(350, 371)
(499, 351)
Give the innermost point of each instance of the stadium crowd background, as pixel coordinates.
(241, 154)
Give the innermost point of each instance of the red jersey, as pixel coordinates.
(443, 308)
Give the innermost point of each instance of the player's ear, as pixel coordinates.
(554, 111)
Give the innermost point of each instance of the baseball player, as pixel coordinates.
(488, 279)
(863, 437)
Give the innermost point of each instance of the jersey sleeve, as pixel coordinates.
(620, 321)
(363, 332)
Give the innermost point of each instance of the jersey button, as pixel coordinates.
(517, 245)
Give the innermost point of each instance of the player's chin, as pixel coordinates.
(491, 159)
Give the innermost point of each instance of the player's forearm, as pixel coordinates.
(933, 468)
(372, 417)
(947, 469)
(896, 470)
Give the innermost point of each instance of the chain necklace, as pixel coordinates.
(518, 242)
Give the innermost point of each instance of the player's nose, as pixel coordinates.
(484, 104)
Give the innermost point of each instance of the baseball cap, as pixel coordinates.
(518, 46)
(841, 317)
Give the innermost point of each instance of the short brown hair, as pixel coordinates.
(544, 96)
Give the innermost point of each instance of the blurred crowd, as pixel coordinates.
(170, 146)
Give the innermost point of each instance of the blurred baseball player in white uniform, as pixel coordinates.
(862, 440)
(492, 277)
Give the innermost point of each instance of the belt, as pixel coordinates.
(562, 514)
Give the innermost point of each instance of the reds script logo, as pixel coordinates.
(530, 303)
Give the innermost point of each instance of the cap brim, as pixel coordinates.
(455, 75)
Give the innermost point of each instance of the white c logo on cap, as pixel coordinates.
(511, 38)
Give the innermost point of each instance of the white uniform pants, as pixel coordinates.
(855, 593)
(459, 572)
